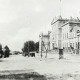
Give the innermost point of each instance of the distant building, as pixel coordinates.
(44, 42)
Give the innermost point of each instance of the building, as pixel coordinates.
(70, 36)
(44, 42)
(65, 33)
(57, 32)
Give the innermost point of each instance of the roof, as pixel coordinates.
(58, 19)
(71, 22)
(45, 35)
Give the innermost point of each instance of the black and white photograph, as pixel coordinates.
(39, 39)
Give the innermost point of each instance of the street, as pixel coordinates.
(50, 68)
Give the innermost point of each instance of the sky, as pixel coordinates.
(23, 20)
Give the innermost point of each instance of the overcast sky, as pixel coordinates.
(22, 20)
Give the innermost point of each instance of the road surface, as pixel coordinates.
(18, 66)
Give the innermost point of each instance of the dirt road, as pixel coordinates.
(18, 66)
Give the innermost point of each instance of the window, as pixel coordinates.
(73, 45)
(53, 38)
(70, 44)
(67, 35)
(67, 44)
(76, 44)
(53, 45)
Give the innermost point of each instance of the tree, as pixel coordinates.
(1, 51)
(6, 51)
(28, 47)
(31, 46)
(37, 47)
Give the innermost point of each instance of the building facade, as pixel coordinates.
(65, 34)
(57, 32)
(44, 42)
(70, 35)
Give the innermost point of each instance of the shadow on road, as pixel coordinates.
(23, 76)
(1, 60)
(13, 75)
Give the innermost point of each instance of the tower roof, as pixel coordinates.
(58, 19)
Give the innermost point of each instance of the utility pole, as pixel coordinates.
(60, 7)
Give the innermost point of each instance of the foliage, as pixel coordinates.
(0, 47)
(1, 51)
(30, 46)
(37, 46)
(7, 51)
